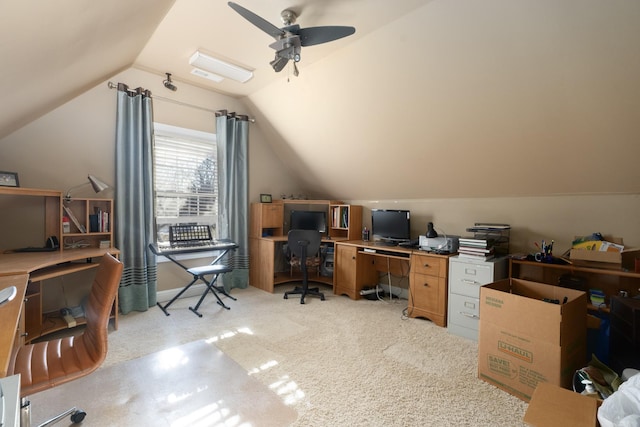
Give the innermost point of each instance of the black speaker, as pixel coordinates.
(52, 243)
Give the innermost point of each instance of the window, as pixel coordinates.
(185, 178)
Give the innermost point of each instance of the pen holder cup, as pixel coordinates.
(546, 258)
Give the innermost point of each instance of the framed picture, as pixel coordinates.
(264, 198)
(9, 179)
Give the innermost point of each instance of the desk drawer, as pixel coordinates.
(464, 311)
(432, 266)
(466, 278)
(426, 293)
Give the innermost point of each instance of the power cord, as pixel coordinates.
(76, 244)
(389, 275)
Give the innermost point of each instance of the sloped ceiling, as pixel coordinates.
(471, 99)
(429, 99)
(52, 51)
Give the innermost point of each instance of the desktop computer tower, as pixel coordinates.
(326, 269)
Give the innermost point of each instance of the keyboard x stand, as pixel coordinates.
(199, 273)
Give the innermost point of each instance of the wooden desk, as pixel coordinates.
(11, 320)
(583, 278)
(26, 271)
(359, 263)
(263, 272)
(268, 231)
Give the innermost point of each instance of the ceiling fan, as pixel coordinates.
(291, 38)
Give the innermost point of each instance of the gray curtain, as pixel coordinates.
(134, 199)
(232, 135)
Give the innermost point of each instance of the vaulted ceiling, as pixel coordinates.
(52, 51)
(429, 98)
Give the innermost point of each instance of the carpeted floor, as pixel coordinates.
(336, 362)
(190, 385)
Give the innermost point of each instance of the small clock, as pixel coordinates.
(265, 198)
(9, 179)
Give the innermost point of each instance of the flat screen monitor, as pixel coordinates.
(391, 225)
(309, 220)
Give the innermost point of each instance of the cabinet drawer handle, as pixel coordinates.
(425, 265)
(24, 335)
(469, 281)
(473, 316)
(426, 285)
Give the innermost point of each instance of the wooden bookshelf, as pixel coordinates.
(91, 222)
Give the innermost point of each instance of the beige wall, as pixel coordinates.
(59, 149)
(532, 219)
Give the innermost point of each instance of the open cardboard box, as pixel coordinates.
(524, 340)
(553, 406)
(626, 258)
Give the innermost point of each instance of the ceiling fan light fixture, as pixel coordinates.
(219, 67)
(278, 63)
(207, 75)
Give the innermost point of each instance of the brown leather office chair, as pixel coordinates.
(47, 364)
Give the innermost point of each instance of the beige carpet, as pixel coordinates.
(336, 362)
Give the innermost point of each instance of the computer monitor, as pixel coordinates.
(391, 225)
(309, 220)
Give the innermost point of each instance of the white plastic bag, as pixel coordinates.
(622, 408)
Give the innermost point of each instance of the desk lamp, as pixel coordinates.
(431, 233)
(96, 184)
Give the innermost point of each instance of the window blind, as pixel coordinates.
(185, 179)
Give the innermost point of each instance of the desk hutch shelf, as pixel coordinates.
(93, 223)
(50, 204)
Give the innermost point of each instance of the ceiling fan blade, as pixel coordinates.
(256, 20)
(316, 35)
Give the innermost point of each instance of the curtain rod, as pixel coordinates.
(112, 85)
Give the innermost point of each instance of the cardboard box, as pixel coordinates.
(524, 340)
(552, 406)
(625, 258)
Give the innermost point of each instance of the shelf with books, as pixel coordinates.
(345, 221)
(90, 223)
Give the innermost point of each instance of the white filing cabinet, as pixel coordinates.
(465, 278)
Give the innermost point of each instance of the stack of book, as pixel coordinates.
(99, 221)
(597, 297)
(476, 248)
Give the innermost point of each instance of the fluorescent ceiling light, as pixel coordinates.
(207, 75)
(221, 68)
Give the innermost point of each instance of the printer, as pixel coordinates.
(431, 242)
(441, 245)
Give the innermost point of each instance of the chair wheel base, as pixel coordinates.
(304, 293)
(78, 416)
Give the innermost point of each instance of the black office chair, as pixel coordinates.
(301, 243)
